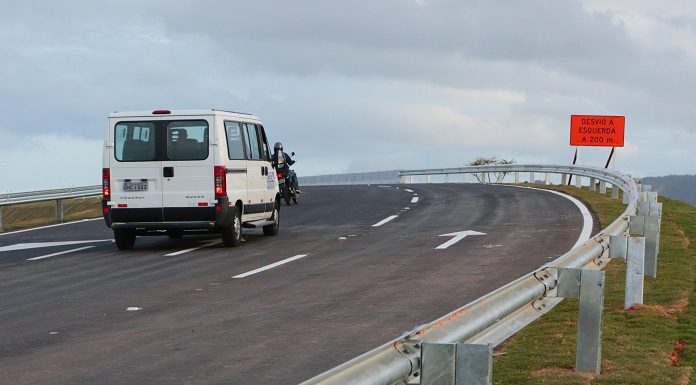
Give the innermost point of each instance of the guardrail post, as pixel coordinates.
(578, 181)
(602, 187)
(430, 179)
(531, 177)
(648, 227)
(447, 178)
(402, 179)
(59, 211)
(652, 238)
(615, 191)
(593, 187)
(564, 179)
(456, 364)
(632, 249)
(517, 177)
(1, 229)
(588, 286)
(547, 179)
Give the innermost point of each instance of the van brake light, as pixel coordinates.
(106, 183)
(220, 176)
(161, 112)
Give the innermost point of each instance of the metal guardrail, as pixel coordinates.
(498, 315)
(48, 195)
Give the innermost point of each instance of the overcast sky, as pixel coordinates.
(355, 85)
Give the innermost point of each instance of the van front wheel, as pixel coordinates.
(232, 235)
(125, 238)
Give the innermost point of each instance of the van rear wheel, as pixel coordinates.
(232, 235)
(125, 238)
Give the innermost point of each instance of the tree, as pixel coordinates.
(483, 161)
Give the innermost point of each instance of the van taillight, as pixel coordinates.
(106, 183)
(220, 174)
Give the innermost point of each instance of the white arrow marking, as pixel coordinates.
(59, 253)
(458, 236)
(36, 245)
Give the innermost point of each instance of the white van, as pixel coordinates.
(166, 172)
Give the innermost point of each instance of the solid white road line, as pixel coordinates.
(587, 221)
(36, 245)
(414, 200)
(59, 253)
(208, 243)
(385, 220)
(49, 226)
(272, 265)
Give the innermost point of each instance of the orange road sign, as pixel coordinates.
(597, 130)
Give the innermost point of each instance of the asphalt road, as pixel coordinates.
(64, 318)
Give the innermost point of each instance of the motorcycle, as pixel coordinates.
(288, 190)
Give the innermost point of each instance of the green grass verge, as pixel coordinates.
(28, 215)
(637, 346)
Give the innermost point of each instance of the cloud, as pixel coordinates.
(361, 85)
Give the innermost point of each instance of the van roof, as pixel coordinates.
(131, 114)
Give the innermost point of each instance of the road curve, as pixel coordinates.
(86, 313)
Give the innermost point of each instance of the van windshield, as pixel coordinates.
(161, 140)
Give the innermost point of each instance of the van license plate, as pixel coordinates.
(135, 186)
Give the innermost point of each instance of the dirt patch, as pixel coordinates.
(679, 306)
(664, 311)
(684, 240)
(676, 354)
(586, 378)
(686, 376)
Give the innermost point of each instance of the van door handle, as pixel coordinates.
(168, 172)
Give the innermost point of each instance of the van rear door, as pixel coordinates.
(136, 183)
(188, 192)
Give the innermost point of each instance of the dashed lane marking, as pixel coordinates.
(268, 267)
(385, 220)
(207, 243)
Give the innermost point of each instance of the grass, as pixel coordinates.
(28, 215)
(638, 346)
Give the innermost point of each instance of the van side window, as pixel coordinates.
(265, 153)
(252, 141)
(235, 145)
(135, 141)
(187, 140)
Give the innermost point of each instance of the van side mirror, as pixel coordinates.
(293, 153)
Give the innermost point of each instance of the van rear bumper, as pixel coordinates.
(168, 217)
(164, 225)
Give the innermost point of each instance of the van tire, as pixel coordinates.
(125, 238)
(232, 235)
(272, 229)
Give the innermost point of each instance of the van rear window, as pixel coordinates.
(187, 140)
(135, 141)
(161, 140)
